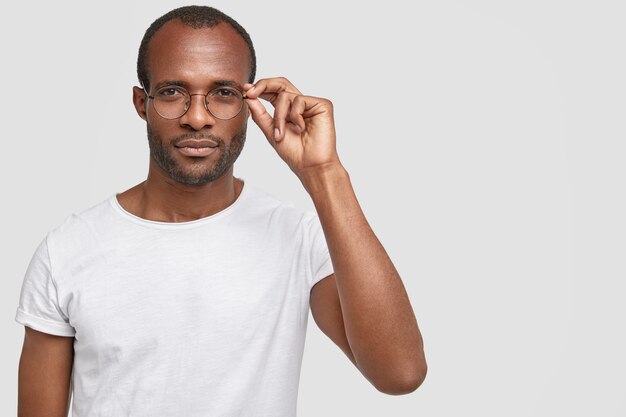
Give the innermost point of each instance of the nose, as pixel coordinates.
(197, 116)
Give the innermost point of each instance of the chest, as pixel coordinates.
(159, 290)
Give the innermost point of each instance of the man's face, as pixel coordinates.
(198, 60)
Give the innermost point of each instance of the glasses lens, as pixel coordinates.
(171, 102)
(224, 102)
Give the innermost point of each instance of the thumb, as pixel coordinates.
(262, 118)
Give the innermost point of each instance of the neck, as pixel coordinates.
(160, 198)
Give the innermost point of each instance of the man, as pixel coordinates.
(188, 294)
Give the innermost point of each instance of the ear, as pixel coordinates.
(140, 101)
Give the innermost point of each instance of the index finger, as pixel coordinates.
(269, 88)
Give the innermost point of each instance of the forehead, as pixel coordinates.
(198, 56)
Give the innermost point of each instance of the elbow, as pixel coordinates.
(405, 381)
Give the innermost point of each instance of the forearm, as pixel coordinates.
(379, 322)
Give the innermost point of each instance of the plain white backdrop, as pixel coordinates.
(486, 144)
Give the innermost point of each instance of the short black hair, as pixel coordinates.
(197, 17)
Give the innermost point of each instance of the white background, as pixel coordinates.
(485, 141)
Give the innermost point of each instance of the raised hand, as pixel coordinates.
(302, 129)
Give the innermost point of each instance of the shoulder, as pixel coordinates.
(76, 221)
(276, 210)
(80, 227)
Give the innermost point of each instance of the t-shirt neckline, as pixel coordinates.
(180, 225)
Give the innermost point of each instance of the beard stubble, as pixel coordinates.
(195, 172)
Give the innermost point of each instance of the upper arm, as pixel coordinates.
(326, 311)
(44, 374)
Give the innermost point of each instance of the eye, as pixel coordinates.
(225, 92)
(171, 92)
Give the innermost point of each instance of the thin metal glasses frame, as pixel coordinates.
(188, 103)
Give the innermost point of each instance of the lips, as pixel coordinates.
(196, 143)
(196, 147)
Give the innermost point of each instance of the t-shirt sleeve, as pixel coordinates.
(38, 306)
(321, 264)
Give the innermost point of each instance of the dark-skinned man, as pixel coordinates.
(188, 294)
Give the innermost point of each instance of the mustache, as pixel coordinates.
(197, 136)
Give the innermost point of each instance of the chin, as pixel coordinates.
(196, 178)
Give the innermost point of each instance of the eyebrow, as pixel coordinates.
(226, 83)
(216, 83)
(177, 83)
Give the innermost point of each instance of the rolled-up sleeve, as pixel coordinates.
(38, 305)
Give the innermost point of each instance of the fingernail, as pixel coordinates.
(276, 133)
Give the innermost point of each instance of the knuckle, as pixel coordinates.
(299, 102)
(282, 108)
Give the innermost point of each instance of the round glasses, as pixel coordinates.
(172, 102)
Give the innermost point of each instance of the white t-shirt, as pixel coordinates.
(200, 318)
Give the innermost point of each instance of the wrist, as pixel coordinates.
(324, 178)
